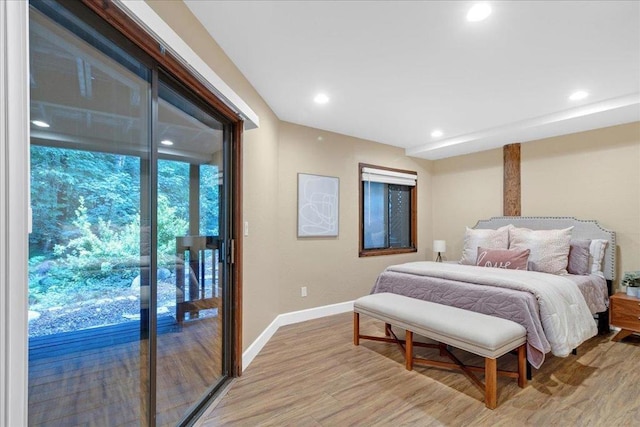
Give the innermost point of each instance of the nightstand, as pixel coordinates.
(624, 312)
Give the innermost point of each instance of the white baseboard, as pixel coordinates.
(255, 347)
(288, 319)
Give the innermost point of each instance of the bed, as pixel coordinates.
(557, 306)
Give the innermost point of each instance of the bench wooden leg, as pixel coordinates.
(387, 329)
(409, 350)
(356, 328)
(443, 349)
(491, 383)
(522, 366)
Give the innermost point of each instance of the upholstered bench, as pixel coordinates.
(486, 336)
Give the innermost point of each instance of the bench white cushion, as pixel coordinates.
(477, 333)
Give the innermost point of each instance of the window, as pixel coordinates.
(388, 210)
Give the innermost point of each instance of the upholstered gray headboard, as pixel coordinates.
(582, 229)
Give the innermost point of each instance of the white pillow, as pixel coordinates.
(596, 255)
(487, 238)
(549, 248)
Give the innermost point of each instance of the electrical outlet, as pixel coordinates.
(246, 228)
(303, 291)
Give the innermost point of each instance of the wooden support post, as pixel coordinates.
(490, 383)
(511, 180)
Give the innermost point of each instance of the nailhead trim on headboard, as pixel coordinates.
(583, 229)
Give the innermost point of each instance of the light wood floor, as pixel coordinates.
(108, 386)
(311, 374)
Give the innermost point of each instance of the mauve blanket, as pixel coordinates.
(551, 308)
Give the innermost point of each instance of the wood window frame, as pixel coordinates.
(413, 221)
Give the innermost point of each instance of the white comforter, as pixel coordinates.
(564, 314)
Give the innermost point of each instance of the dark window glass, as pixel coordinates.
(399, 216)
(387, 223)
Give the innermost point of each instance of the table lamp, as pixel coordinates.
(439, 246)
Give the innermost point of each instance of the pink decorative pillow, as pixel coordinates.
(512, 259)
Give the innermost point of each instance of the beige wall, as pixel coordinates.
(465, 189)
(588, 175)
(260, 187)
(276, 262)
(330, 267)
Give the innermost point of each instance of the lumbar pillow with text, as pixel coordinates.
(511, 259)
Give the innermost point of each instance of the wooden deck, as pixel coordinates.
(57, 345)
(102, 385)
(311, 374)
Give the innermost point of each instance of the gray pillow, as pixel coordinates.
(579, 257)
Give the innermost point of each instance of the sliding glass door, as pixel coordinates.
(90, 151)
(192, 229)
(128, 270)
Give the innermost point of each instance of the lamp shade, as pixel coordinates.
(439, 246)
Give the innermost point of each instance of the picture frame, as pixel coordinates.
(318, 205)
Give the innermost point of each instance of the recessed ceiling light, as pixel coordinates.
(40, 123)
(577, 96)
(321, 98)
(166, 142)
(437, 133)
(478, 12)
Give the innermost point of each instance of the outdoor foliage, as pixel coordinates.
(108, 183)
(88, 240)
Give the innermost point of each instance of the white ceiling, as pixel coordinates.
(397, 70)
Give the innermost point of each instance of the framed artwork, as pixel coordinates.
(318, 198)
